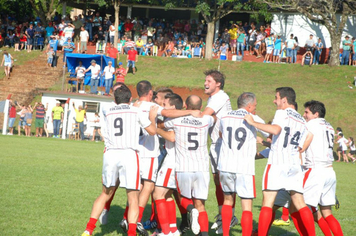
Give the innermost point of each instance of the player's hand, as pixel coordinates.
(196, 113)
(153, 111)
(259, 140)
(137, 103)
(249, 119)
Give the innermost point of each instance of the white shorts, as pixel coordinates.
(319, 186)
(149, 167)
(287, 177)
(242, 184)
(193, 184)
(7, 64)
(214, 156)
(166, 176)
(269, 50)
(282, 199)
(122, 165)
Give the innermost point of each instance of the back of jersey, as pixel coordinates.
(191, 135)
(284, 148)
(320, 150)
(122, 127)
(238, 150)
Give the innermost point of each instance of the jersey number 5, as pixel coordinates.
(195, 142)
(118, 125)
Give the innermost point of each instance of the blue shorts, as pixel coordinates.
(353, 57)
(29, 41)
(22, 122)
(132, 63)
(276, 52)
(257, 46)
(49, 60)
(289, 52)
(307, 62)
(11, 122)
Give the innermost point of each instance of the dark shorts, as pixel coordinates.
(343, 152)
(29, 41)
(353, 152)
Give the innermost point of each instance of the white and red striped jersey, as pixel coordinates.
(343, 143)
(220, 103)
(320, 151)
(123, 124)
(170, 158)
(238, 149)
(149, 144)
(191, 135)
(284, 147)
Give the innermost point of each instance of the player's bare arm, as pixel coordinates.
(151, 129)
(167, 135)
(307, 142)
(272, 129)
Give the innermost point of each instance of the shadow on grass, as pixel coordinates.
(116, 214)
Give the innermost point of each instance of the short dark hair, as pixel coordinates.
(341, 135)
(287, 92)
(175, 100)
(217, 76)
(122, 94)
(244, 99)
(164, 90)
(339, 129)
(193, 105)
(316, 106)
(143, 88)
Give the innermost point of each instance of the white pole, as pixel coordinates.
(65, 119)
(6, 116)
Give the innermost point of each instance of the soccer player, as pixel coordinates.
(121, 163)
(283, 170)
(237, 161)
(192, 163)
(218, 102)
(319, 176)
(166, 183)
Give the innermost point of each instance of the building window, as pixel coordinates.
(92, 106)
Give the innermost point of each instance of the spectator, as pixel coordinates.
(270, 44)
(112, 32)
(295, 50)
(128, 45)
(258, 42)
(352, 152)
(49, 31)
(277, 48)
(97, 21)
(246, 28)
(95, 74)
(109, 71)
(137, 30)
(84, 38)
(23, 40)
(149, 48)
(40, 114)
(30, 34)
(290, 44)
(7, 61)
(113, 53)
(307, 58)
(57, 118)
(346, 47)
(28, 121)
(80, 72)
(67, 48)
(131, 59)
(318, 49)
(100, 38)
(128, 26)
(80, 115)
(97, 126)
(310, 42)
(223, 49)
(354, 51)
(53, 43)
(252, 38)
(120, 73)
(139, 46)
(12, 118)
(342, 141)
(225, 36)
(233, 38)
(241, 42)
(22, 121)
(16, 42)
(50, 55)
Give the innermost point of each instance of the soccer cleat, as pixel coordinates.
(150, 224)
(124, 225)
(194, 224)
(86, 233)
(217, 222)
(184, 227)
(140, 230)
(176, 233)
(337, 203)
(234, 221)
(156, 232)
(103, 218)
(281, 222)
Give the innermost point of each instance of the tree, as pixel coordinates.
(45, 9)
(324, 12)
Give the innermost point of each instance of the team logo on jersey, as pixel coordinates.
(191, 121)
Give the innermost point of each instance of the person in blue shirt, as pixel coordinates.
(318, 49)
(277, 48)
(67, 47)
(346, 47)
(49, 31)
(7, 63)
(30, 33)
(354, 51)
(53, 43)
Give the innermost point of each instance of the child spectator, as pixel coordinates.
(12, 117)
(120, 73)
(259, 39)
(277, 48)
(241, 41)
(223, 49)
(307, 58)
(28, 121)
(269, 43)
(7, 61)
(352, 149)
(50, 55)
(17, 42)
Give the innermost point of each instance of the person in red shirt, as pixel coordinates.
(131, 59)
(12, 117)
(128, 28)
(113, 53)
(120, 73)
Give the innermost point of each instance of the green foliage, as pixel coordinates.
(19, 8)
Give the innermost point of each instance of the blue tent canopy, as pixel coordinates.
(74, 58)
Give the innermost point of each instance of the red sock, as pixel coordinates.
(297, 221)
(132, 230)
(334, 225)
(219, 195)
(234, 203)
(91, 225)
(185, 202)
(108, 203)
(162, 215)
(226, 216)
(172, 216)
(141, 209)
(182, 210)
(285, 214)
(264, 220)
(308, 220)
(323, 225)
(153, 213)
(203, 222)
(126, 212)
(246, 223)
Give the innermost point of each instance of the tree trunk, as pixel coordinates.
(209, 41)
(335, 52)
(117, 9)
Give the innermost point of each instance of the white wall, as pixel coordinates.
(299, 25)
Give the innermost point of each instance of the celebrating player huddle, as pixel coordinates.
(299, 171)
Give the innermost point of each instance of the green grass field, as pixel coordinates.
(48, 187)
